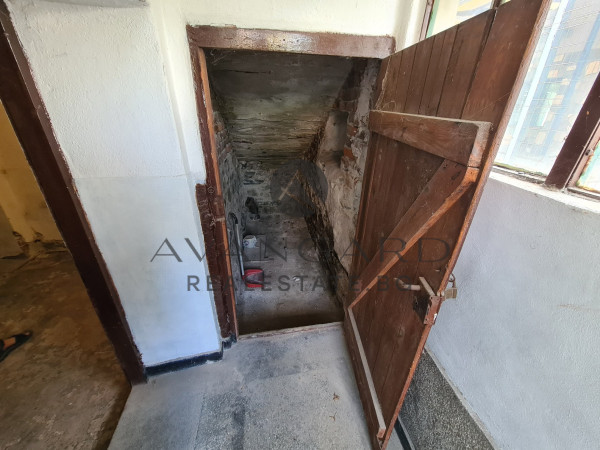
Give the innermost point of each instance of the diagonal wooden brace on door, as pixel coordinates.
(461, 143)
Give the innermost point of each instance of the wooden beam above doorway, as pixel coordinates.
(316, 43)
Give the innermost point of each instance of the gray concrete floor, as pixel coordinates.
(297, 294)
(64, 388)
(282, 391)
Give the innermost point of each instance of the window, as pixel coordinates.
(565, 64)
(447, 13)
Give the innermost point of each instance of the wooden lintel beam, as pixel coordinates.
(333, 44)
(461, 141)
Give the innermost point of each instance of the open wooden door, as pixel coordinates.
(442, 106)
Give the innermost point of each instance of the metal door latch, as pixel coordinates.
(451, 292)
(407, 287)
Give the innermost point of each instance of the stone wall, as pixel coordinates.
(233, 194)
(340, 152)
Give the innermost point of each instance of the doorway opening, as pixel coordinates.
(290, 166)
(67, 371)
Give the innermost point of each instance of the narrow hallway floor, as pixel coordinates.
(293, 390)
(64, 387)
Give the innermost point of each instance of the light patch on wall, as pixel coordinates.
(20, 195)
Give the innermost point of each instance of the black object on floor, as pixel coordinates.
(20, 339)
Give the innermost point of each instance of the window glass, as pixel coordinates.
(590, 179)
(447, 13)
(563, 68)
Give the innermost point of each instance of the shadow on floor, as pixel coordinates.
(64, 388)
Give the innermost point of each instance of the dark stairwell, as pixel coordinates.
(274, 114)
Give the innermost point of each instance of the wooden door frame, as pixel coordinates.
(30, 121)
(211, 206)
(209, 196)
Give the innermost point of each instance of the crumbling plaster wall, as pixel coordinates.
(341, 154)
(116, 80)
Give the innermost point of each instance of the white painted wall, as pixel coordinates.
(399, 18)
(116, 79)
(102, 77)
(521, 341)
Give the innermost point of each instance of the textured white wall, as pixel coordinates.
(100, 72)
(399, 18)
(116, 80)
(521, 341)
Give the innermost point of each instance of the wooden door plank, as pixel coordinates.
(444, 189)
(470, 39)
(382, 78)
(398, 309)
(401, 172)
(431, 259)
(390, 79)
(407, 171)
(367, 314)
(436, 74)
(361, 229)
(418, 76)
(457, 140)
(501, 60)
(392, 402)
(401, 79)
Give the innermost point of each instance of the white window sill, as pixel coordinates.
(567, 198)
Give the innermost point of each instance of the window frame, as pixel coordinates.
(579, 145)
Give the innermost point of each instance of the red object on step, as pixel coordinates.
(254, 278)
